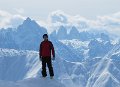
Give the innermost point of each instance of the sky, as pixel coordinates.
(39, 9)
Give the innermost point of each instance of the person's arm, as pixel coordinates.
(53, 51)
(40, 51)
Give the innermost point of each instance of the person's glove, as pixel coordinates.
(40, 57)
(53, 58)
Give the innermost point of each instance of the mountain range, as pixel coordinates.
(83, 59)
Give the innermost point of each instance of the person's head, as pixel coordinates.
(45, 37)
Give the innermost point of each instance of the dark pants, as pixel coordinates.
(47, 60)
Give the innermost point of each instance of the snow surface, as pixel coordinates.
(33, 82)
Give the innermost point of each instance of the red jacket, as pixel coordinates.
(45, 49)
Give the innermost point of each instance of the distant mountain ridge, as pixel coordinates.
(73, 33)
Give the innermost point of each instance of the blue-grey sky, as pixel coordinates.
(39, 9)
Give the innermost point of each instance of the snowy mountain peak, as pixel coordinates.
(29, 22)
(27, 36)
(74, 30)
(62, 29)
(27, 19)
(74, 33)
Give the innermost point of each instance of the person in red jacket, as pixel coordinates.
(46, 48)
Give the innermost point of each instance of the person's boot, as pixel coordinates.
(51, 77)
(43, 76)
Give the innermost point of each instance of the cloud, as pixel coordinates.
(10, 20)
(58, 16)
(54, 21)
(109, 23)
(63, 18)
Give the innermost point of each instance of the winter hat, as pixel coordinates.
(45, 35)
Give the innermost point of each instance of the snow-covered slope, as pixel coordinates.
(33, 82)
(107, 72)
(22, 65)
(89, 49)
(18, 65)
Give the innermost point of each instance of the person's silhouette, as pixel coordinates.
(46, 47)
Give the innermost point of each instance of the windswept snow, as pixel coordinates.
(102, 75)
(33, 82)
